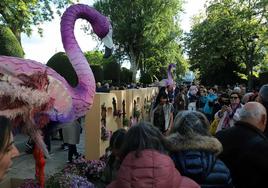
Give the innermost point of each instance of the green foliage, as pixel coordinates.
(221, 75)
(62, 65)
(21, 15)
(226, 36)
(264, 65)
(96, 58)
(145, 32)
(102, 67)
(145, 78)
(98, 72)
(125, 76)
(9, 45)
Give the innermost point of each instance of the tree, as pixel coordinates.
(144, 31)
(125, 76)
(226, 36)
(96, 58)
(9, 45)
(21, 15)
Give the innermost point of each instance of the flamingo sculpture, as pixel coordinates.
(169, 80)
(33, 94)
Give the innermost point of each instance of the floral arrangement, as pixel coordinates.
(95, 168)
(85, 168)
(105, 133)
(80, 182)
(125, 122)
(29, 183)
(77, 174)
(64, 180)
(147, 107)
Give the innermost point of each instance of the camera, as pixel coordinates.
(225, 102)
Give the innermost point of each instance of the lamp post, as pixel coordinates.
(252, 45)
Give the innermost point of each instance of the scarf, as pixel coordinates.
(229, 116)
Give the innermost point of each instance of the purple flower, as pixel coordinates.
(29, 183)
(75, 175)
(80, 182)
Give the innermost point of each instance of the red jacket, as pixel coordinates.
(150, 170)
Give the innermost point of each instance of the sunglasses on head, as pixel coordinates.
(233, 97)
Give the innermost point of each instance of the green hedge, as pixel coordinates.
(111, 71)
(9, 45)
(62, 65)
(98, 72)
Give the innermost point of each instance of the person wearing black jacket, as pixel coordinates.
(245, 147)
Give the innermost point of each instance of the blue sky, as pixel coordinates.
(42, 48)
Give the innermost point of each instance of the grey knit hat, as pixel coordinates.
(263, 93)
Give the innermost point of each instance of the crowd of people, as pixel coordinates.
(208, 137)
(196, 137)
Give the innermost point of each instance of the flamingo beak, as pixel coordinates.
(108, 43)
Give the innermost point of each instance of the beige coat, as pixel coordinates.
(71, 132)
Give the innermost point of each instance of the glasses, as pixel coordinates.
(233, 97)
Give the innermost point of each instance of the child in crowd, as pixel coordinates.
(113, 162)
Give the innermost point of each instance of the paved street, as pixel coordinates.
(24, 165)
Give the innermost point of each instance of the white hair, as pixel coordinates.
(248, 113)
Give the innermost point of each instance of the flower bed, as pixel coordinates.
(78, 174)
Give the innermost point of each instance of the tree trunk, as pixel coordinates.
(250, 75)
(134, 70)
(17, 33)
(133, 64)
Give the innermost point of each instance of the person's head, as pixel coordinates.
(246, 97)
(98, 84)
(162, 98)
(224, 99)
(203, 91)
(237, 89)
(7, 147)
(106, 85)
(263, 95)
(170, 87)
(254, 113)
(117, 140)
(212, 90)
(235, 98)
(191, 122)
(143, 136)
(243, 89)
